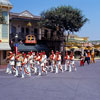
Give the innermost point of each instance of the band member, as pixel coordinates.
(24, 64)
(29, 62)
(18, 59)
(33, 61)
(45, 60)
(11, 62)
(42, 60)
(8, 65)
(52, 59)
(66, 62)
(58, 62)
(36, 61)
(72, 63)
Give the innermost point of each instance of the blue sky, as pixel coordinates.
(89, 8)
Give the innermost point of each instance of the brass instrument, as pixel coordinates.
(19, 57)
(8, 58)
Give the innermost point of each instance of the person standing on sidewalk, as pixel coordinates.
(92, 57)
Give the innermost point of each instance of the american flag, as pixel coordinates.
(16, 48)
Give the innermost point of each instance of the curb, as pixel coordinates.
(2, 69)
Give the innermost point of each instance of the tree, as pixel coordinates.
(63, 18)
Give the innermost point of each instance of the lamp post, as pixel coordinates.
(16, 45)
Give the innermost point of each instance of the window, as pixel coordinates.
(5, 15)
(32, 38)
(27, 31)
(4, 54)
(13, 29)
(51, 34)
(35, 31)
(4, 31)
(22, 29)
(46, 33)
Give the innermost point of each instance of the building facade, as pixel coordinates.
(5, 7)
(25, 23)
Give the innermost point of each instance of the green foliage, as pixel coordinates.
(63, 18)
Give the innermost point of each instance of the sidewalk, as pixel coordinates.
(3, 66)
(79, 59)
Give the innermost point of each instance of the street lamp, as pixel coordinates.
(16, 45)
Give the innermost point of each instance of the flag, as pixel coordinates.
(16, 48)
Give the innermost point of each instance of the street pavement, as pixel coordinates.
(81, 85)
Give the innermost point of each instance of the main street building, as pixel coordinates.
(24, 24)
(5, 7)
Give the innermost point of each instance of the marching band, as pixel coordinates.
(37, 63)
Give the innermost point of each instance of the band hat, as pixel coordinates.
(24, 54)
(11, 53)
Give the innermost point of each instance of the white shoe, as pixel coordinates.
(29, 75)
(9, 72)
(39, 74)
(6, 72)
(16, 75)
(22, 77)
(75, 69)
(62, 70)
(51, 71)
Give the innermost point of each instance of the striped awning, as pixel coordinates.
(5, 46)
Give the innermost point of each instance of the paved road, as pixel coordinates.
(81, 85)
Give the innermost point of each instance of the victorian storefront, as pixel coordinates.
(5, 7)
(26, 24)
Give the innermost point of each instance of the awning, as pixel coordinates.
(37, 47)
(4, 46)
(67, 48)
(74, 47)
(23, 47)
(41, 47)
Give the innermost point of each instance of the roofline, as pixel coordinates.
(17, 14)
(8, 6)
